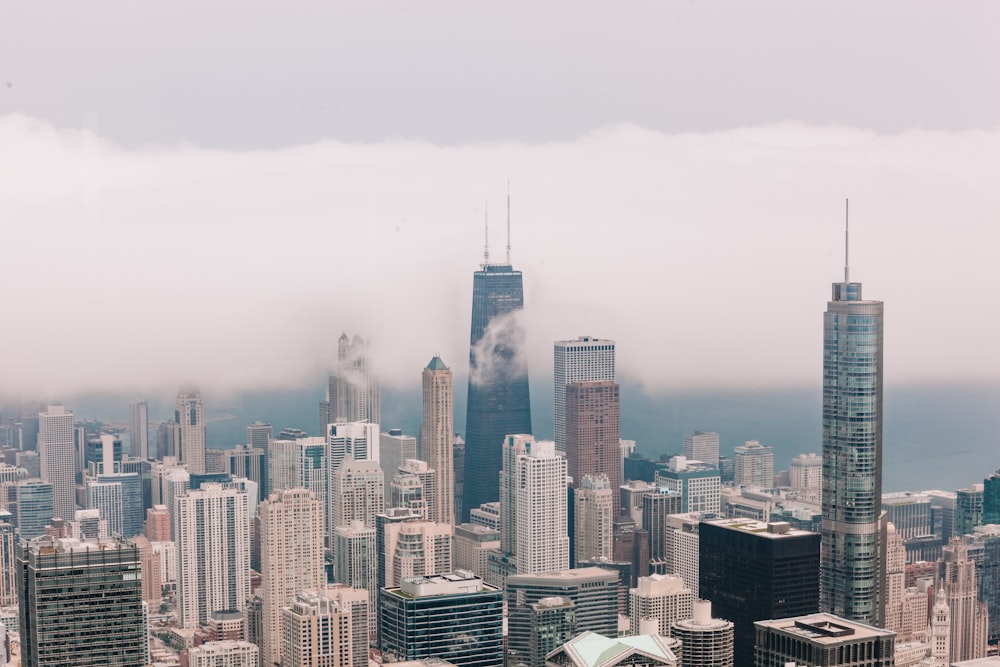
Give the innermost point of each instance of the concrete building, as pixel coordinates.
(683, 548)
(553, 623)
(8, 564)
(822, 640)
(353, 393)
(593, 518)
(454, 616)
(119, 499)
(317, 631)
(226, 653)
(250, 462)
(705, 641)
(909, 512)
(657, 507)
(471, 546)
(663, 598)
(969, 622)
(356, 493)
(428, 480)
(805, 474)
(292, 559)
(395, 449)
(437, 435)
(590, 649)
(355, 562)
(212, 531)
(55, 451)
(190, 416)
(138, 429)
(157, 527)
(584, 359)
(702, 446)
(696, 481)
(593, 418)
(80, 603)
(416, 549)
(754, 465)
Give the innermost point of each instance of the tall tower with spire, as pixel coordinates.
(498, 399)
(852, 571)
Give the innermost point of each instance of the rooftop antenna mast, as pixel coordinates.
(486, 246)
(508, 221)
(847, 264)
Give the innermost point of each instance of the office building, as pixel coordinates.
(942, 513)
(226, 653)
(663, 598)
(754, 465)
(249, 462)
(593, 519)
(385, 540)
(486, 515)
(359, 440)
(684, 549)
(190, 417)
(593, 417)
(593, 591)
(395, 449)
(702, 446)
(211, 528)
(591, 649)
(822, 640)
(80, 603)
(119, 497)
(55, 450)
(8, 563)
(753, 571)
(299, 463)
(471, 545)
(969, 623)
(356, 493)
(968, 509)
(138, 429)
(226, 624)
(657, 506)
(437, 435)
(353, 393)
(453, 616)
(553, 623)
(909, 512)
(852, 555)
(259, 435)
(291, 549)
(805, 473)
(32, 508)
(498, 399)
(407, 491)
(697, 482)
(582, 360)
(355, 563)
(427, 479)
(705, 641)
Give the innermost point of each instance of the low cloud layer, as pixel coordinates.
(709, 257)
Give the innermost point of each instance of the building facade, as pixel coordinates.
(190, 417)
(437, 437)
(593, 433)
(55, 450)
(581, 360)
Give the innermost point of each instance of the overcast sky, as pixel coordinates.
(212, 193)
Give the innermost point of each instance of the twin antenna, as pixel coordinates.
(847, 264)
(486, 216)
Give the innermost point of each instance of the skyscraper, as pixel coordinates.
(291, 551)
(593, 519)
(138, 429)
(212, 531)
(353, 393)
(437, 436)
(356, 494)
(593, 417)
(969, 626)
(190, 416)
(851, 569)
(580, 360)
(55, 448)
(702, 446)
(80, 603)
(754, 465)
(498, 402)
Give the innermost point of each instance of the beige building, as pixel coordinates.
(661, 597)
(416, 549)
(224, 654)
(968, 615)
(291, 552)
(317, 631)
(356, 493)
(437, 436)
(471, 546)
(593, 501)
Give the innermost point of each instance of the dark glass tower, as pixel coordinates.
(851, 571)
(498, 381)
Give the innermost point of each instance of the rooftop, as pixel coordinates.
(772, 530)
(825, 629)
(593, 650)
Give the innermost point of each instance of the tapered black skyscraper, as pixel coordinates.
(498, 378)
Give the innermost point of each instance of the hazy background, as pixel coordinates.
(211, 193)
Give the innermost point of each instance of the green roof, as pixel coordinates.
(593, 650)
(437, 365)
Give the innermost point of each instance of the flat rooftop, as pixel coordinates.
(825, 629)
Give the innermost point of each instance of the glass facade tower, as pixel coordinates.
(851, 570)
(498, 402)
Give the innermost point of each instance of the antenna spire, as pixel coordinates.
(486, 246)
(508, 221)
(847, 264)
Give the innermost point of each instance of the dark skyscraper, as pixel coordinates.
(498, 380)
(851, 576)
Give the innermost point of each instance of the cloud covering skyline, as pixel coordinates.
(708, 256)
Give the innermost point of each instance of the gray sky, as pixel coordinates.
(251, 180)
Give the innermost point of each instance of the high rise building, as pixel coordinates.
(437, 436)
(593, 519)
(663, 598)
(395, 449)
(212, 530)
(356, 562)
(909, 512)
(417, 549)
(752, 571)
(428, 480)
(356, 494)
(471, 545)
(698, 483)
(498, 400)
(158, 523)
(969, 623)
(55, 449)
(805, 474)
(80, 603)
(33, 507)
(138, 429)
(754, 465)
(190, 416)
(359, 440)
(119, 499)
(705, 641)
(656, 506)
(827, 640)
(385, 540)
(702, 446)
(353, 393)
(259, 435)
(250, 462)
(593, 416)
(553, 623)
(298, 463)
(291, 550)
(225, 653)
(453, 616)
(582, 360)
(968, 509)
(8, 564)
(851, 563)
(534, 505)
(317, 630)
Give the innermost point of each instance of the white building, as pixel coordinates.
(55, 449)
(394, 449)
(805, 473)
(663, 598)
(212, 532)
(355, 562)
(416, 549)
(291, 553)
(429, 480)
(754, 465)
(582, 360)
(593, 501)
(437, 438)
(138, 429)
(356, 493)
(683, 557)
(226, 653)
(318, 630)
(190, 416)
(702, 446)
(471, 546)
